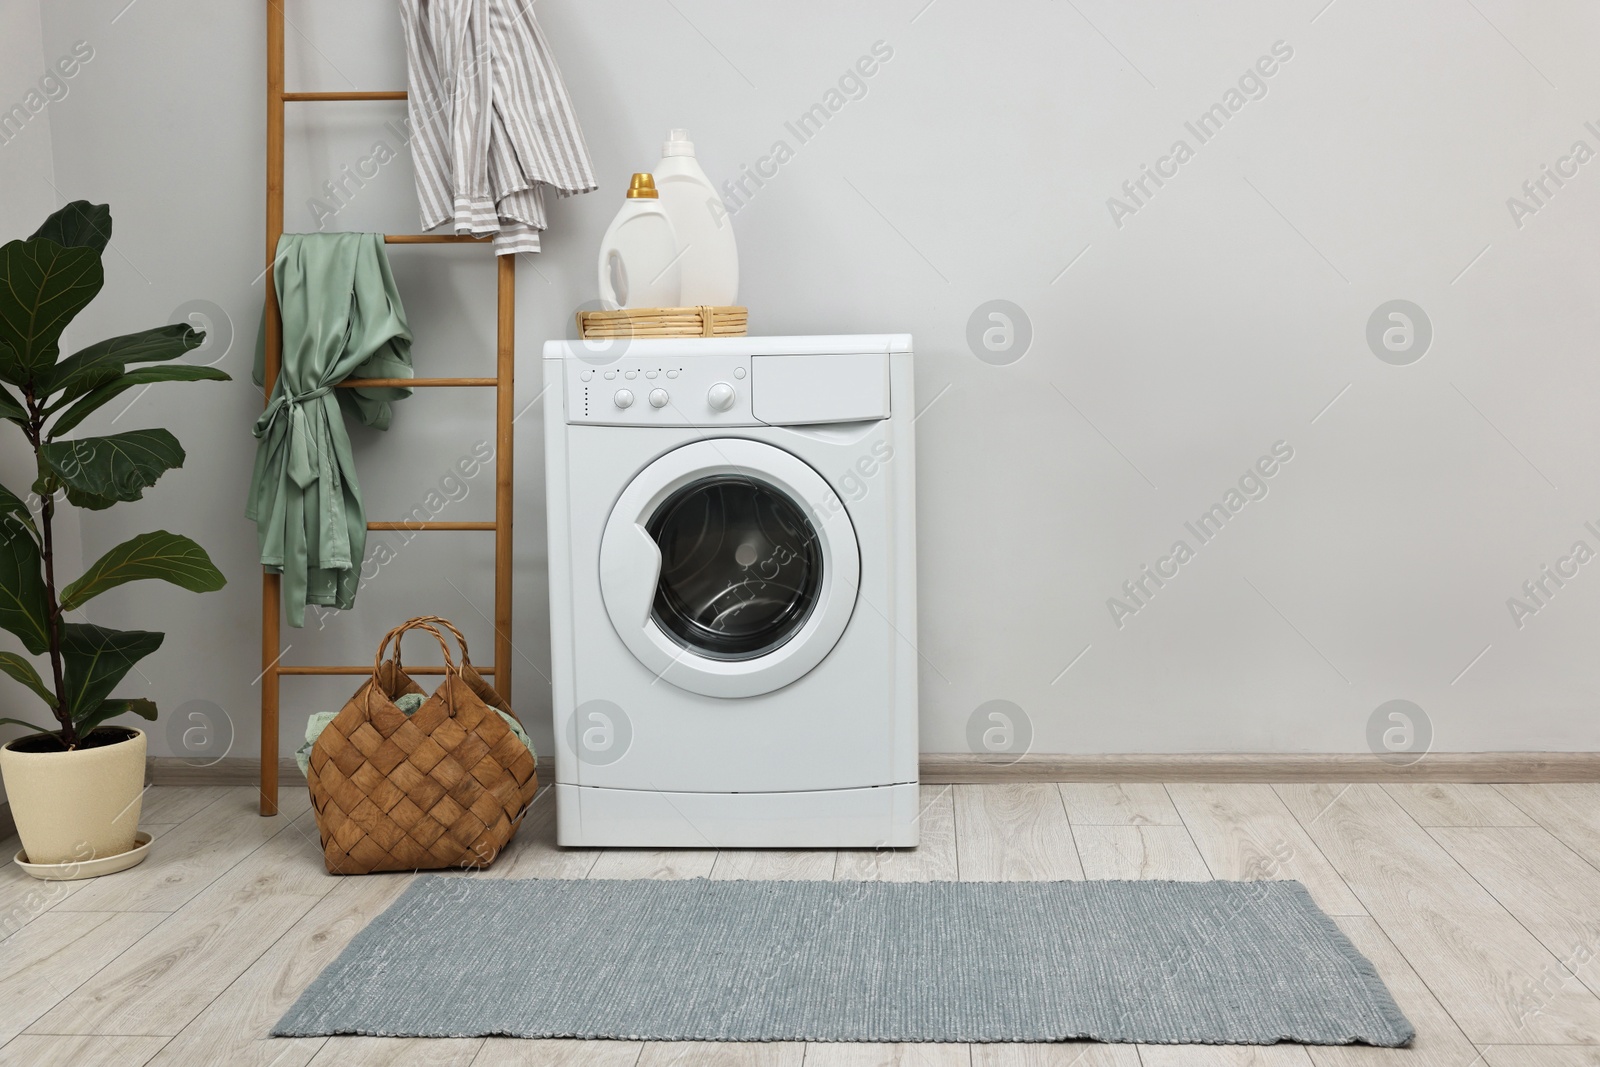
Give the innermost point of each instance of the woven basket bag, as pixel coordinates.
(445, 786)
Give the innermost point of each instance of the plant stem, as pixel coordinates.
(47, 510)
(69, 733)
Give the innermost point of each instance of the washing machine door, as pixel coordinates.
(725, 570)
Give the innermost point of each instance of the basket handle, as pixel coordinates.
(419, 623)
(426, 622)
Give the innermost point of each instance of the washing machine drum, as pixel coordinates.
(740, 567)
(729, 568)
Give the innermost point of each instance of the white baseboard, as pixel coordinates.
(945, 768)
(1464, 767)
(170, 770)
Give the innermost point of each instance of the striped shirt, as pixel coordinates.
(492, 125)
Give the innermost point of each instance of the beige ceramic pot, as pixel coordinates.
(72, 807)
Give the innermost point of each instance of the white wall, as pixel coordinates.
(26, 170)
(1226, 314)
(26, 197)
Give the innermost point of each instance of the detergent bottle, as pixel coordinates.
(710, 263)
(639, 262)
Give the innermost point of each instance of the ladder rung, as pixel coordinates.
(408, 524)
(386, 94)
(424, 383)
(437, 239)
(367, 669)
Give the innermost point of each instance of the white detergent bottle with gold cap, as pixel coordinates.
(710, 262)
(639, 261)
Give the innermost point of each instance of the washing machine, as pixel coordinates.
(733, 608)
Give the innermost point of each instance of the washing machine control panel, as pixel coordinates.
(689, 391)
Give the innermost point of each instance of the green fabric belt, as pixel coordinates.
(342, 318)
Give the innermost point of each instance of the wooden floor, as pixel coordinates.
(1480, 906)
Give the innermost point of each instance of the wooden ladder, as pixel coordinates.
(272, 667)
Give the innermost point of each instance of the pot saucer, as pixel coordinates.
(66, 872)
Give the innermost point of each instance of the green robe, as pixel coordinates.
(342, 318)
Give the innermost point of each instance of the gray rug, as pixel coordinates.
(1155, 962)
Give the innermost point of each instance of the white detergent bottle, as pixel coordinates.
(705, 232)
(639, 263)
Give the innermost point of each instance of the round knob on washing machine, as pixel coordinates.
(721, 396)
(624, 398)
(658, 398)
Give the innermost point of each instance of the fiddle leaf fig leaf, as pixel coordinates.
(43, 286)
(96, 659)
(78, 225)
(110, 709)
(10, 407)
(97, 398)
(168, 556)
(104, 361)
(99, 471)
(23, 671)
(28, 725)
(12, 508)
(23, 604)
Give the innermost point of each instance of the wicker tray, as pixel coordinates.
(702, 321)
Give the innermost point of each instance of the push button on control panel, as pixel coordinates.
(720, 396)
(641, 392)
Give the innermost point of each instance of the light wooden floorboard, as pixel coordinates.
(775, 864)
(1245, 833)
(1224, 1056)
(651, 863)
(1449, 804)
(176, 803)
(48, 937)
(234, 1027)
(934, 860)
(171, 974)
(1461, 912)
(191, 855)
(23, 898)
(1119, 804)
(54, 955)
(1540, 1056)
(1478, 960)
(722, 1054)
(398, 1052)
(533, 853)
(56, 1051)
(840, 1054)
(517, 1052)
(1068, 1054)
(1570, 812)
(1439, 1041)
(1013, 833)
(1549, 888)
(1139, 852)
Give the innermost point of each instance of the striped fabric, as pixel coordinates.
(491, 123)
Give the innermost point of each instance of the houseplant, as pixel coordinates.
(74, 789)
